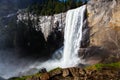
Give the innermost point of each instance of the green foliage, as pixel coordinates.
(100, 66)
(58, 68)
(21, 78)
(51, 7)
(26, 77)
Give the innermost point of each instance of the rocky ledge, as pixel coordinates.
(95, 72)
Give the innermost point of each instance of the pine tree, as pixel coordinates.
(51, 7)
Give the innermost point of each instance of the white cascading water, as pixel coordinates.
(72, 37)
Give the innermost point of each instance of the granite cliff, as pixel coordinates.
(44, 23)
(104, 21)
(103, 18)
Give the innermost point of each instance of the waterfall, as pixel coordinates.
(73, 36)
(68, 56)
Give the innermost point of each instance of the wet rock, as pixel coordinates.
(65, 72)
(82, 72)
(55, 72)
(74, 71)
(93, 54)
(34, 78)
(44, 76)
(43, 70)
(77, 78)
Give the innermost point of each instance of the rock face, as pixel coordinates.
(104, 21)
(52, 26)
(44, 23)
(93, 55)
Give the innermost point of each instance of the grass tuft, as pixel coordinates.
(101, 66)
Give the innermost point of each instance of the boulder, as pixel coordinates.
(92, 55)
(55, 72)
(74, 71)
(65, 72)
(44, 76)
